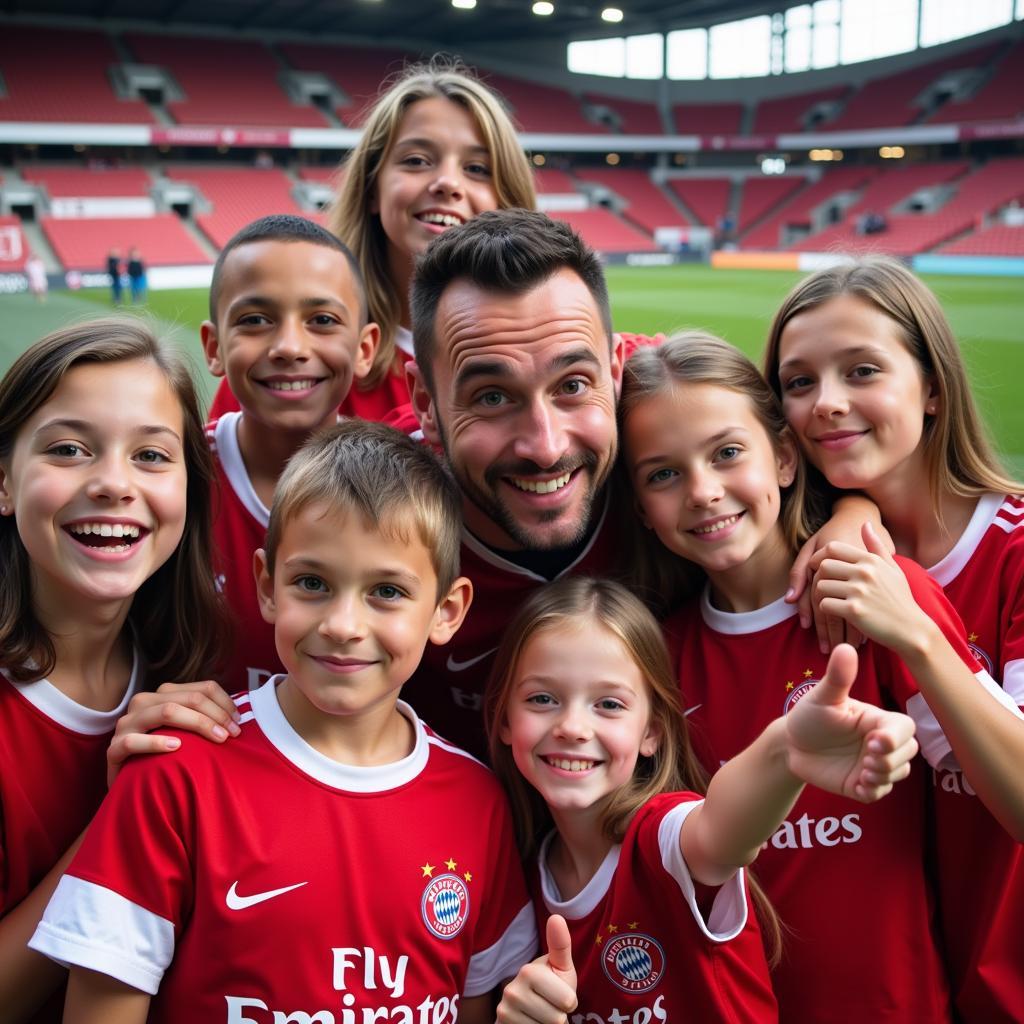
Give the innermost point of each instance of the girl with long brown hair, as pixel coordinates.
(106, 590)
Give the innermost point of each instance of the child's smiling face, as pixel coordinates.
(97, 482)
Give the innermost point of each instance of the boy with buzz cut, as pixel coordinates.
(337, 862)
(288, 329)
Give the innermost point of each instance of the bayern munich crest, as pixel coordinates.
(633, 962)
(445, 905)
(982, 656)
(797, 694)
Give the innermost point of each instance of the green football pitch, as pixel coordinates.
(987, 315)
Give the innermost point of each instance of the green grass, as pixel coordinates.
(986, 313)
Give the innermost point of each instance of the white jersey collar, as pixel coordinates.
(45, 697)
(947, 569)
(351, 778)
(741, 623)
(589, 896)
(225, 437)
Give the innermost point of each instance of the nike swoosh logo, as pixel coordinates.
(461, 666)
(236, 902)
(690, 711)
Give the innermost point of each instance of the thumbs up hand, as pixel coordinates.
(543, 992)
(844, 745)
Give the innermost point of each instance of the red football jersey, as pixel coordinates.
(848, 879)
(53, 776)
(642, 949)
(260, 879)
(980, 868)
(450, 681)
(240, 523)
(374, 404)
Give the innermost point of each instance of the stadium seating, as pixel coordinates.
(83, 244)
(998, 240)
(787, 113)
(238, 195)
(977, 194)
(1002, 96)
(760, 195)
(226, 82)
(635, 117)
(357, 71)
(606, 232)
(797, 211)
(889, 100)
(707, 118)
(81, 182)
(706, 198)
(324, 175)
(81, 92)
(646, 205)
(541, 108)
(551, 181)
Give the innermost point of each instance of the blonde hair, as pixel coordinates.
(393, 482)
(361, 230)
(583, 600)
(958, 453)
(696, 357)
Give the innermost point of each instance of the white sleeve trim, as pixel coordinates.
(1013, 681)
(932, 740)
(517, 946)
(728, 914)
(87, 925)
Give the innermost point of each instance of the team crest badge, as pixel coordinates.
(980, 654)
(445, 905)
(796, 691)
(633, 962)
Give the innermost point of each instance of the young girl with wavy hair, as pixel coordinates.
(106, 590)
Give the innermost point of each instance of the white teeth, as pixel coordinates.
(571, 765)
(445, 219)
(106, 530)
(715, 527)
(290, 385)
(542, 486)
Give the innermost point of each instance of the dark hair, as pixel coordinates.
(507, 251)
(393, 482)
(284, 227)
(176, 615)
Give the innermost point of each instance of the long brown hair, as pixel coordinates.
(696, 357)
(361, 230)
(958, 454)
(176, 615)
(673, 766)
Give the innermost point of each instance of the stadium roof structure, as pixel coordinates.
(504, 21)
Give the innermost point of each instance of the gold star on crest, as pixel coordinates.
(450, 864)
(612, 929)
(973, 638)
(808, 673)
(633, 925)
(428, 870)
(789, 685)
(468, 877)
(599, 939)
